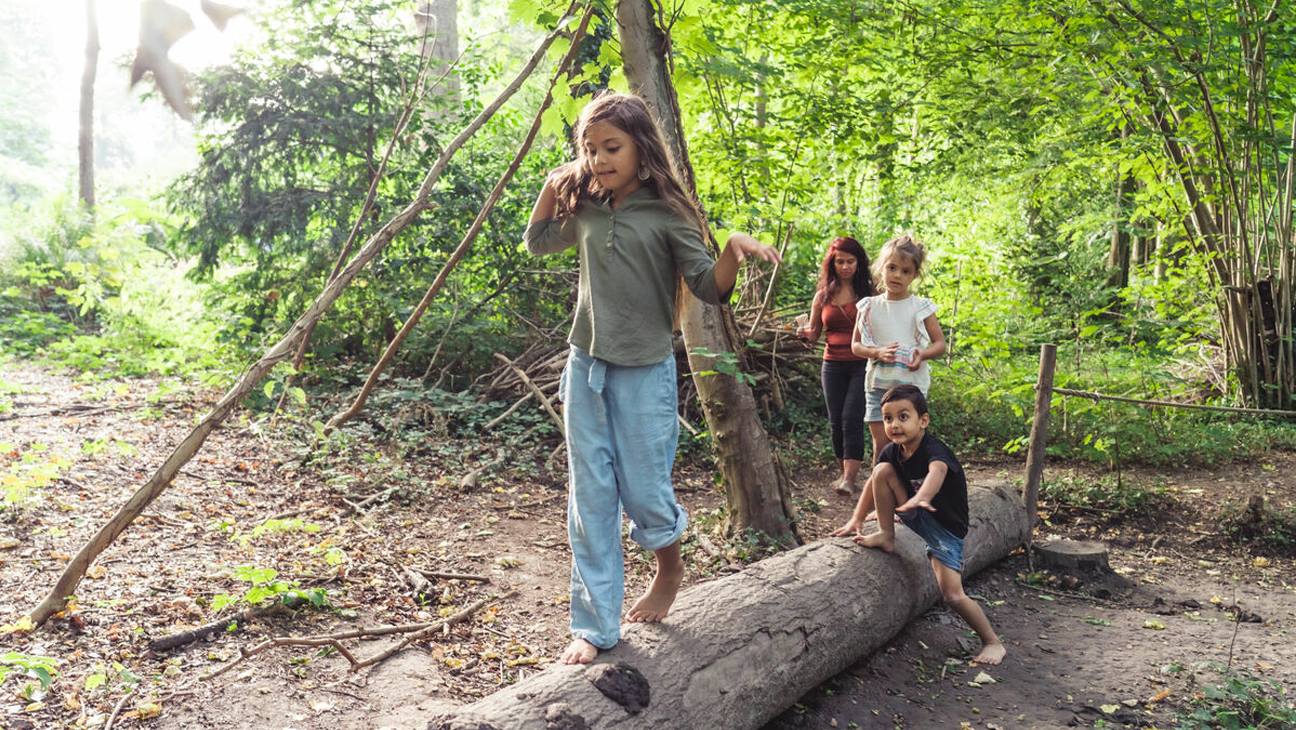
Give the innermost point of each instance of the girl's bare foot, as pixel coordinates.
(579, 651)
(991, 654)
(655, 604)
(876, 540)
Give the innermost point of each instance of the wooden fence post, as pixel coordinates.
(1039, 434)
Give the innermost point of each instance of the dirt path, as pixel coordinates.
(247, 501)
(1186, 601)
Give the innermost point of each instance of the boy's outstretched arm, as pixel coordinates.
(936, 472)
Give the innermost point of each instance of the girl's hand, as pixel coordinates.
(916, 359)
(744, 245)
(888, 352)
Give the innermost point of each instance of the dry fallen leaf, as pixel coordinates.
(984, 678)
(147, 710)
(1262, 562)
(1153, 624)
(1109, 709)
(1163, 694)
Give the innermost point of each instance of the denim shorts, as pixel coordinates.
(873, 405)
(941, 543)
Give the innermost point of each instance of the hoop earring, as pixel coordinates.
(644, 174)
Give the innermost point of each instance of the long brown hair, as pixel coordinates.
(574, 182)
(830, 283)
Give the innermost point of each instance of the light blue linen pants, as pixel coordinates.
(622, 432)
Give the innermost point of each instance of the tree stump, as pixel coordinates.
(1071, 556)
(737, 651)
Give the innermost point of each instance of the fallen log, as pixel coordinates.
(738, 650)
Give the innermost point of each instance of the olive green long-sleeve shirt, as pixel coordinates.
(625, 305)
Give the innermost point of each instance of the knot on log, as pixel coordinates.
(450, 722)
(560, 716)
(621, 683)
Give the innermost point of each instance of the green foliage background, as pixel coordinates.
(997, 133)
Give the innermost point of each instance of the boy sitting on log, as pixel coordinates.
(919, 473)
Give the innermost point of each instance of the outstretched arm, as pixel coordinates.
(936, 471)
(737, 249)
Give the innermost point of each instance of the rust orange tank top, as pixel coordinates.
(838, 326)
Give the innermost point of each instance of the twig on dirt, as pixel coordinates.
(1084, 597)
(429, 631)
(80, 410)
(416, 580)
(117, 710)
(532, 503)
(453, 576)
(348, 694)
(709, 548)
(358, 507)
(469, 480)
(286, 515)
(167, 643)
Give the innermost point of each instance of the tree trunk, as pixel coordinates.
(85, 132)
(756, 486)
(437, 24)
(1118, 254)
(737, 651)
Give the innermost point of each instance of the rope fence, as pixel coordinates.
(1044, 391)
(1172, 404)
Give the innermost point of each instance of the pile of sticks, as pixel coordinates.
(776, 360)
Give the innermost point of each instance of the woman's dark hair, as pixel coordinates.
(829, 283)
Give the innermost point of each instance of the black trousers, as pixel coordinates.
(846, 397)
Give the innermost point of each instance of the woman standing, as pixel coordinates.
(843, 280)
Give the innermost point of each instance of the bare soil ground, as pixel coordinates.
(248, 501)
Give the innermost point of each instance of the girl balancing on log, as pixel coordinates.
(621, 204)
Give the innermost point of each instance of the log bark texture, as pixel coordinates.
(737, 651)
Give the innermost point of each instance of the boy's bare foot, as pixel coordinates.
(656, 602)
(991, 654)
(876, 540)
(841, 487)
(579, 651)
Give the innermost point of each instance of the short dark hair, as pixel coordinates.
(909, 393)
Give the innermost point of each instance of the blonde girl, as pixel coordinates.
(620, 203)
(897, 331)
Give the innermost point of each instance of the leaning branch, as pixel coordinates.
(462, 249)
(162, 478)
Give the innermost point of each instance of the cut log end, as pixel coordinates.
(1073, 555)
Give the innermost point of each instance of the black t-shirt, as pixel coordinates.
(951, 502)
